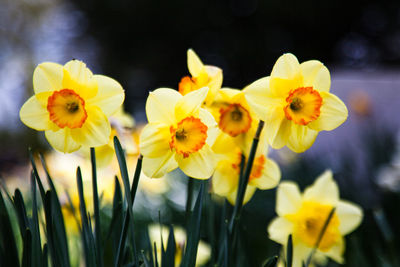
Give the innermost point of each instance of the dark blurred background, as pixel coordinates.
(143, 44)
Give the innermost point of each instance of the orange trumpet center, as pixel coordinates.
(303, 105)
(234, 120)
(188, 84)
(66, 109)
(189, 136)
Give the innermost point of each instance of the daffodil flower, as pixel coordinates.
(304, 216)
(295, 103)
(179, 133)
(265, 173)
(71, 105)
(235, 117)
(201, 76)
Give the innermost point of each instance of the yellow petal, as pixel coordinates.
(250, 190)
(95, 131)
(35, 115)
(61, 140)
(47, 77)
(194, 63)
(104, 155)
(224, 143)
(333, 113)
(324, 190)
(189, 104)
(259, 97)
(315, 74)
(288, 199)
(215, 83)
(336, 252)
(277, 128)
(350, 216)
(271, 174)
(225, 178)
(301, 138)
(279, 230)
(159, 166)
(199, 165)
(209, 121)
(160, 105)
(300, 254)
(281, 87)
(110, 95)
(79, 78)
(154, 140)
(286, 67)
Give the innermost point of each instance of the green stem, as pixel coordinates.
(244, 179)
(96, 207)
(189, 198)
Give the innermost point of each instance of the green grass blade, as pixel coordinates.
(8, 245)
(37, 257)
(27, 250)
(289, 252)
(271, 262)
(129, 195)
(49, 229)
(96, 208)
(87, 235)
(189, 259)
(58, 218)
(45, 256)
(155, 255)
(169, 256)
(20, 210)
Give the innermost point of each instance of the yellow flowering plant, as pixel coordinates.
(179, 133)
(71, 105)
(265, 173)
(201, 76)
(304, 215)
(295, 103)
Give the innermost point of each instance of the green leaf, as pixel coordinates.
(130, 196)
(37, 258)
(8, 247)
(169, 255)
(271, 262)
(27, 250)
(289, 252)
(87, 235)
(193, 231)
(20, 210)
(98, 242)
(145, 261)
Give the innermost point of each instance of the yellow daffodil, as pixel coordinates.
(295, 103)
(265, 173)
(235, 117)
(179, 133)
(155, 232)
(304, 215)
(202, 76)
(71, 105)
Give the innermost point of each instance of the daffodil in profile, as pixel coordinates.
(179, 134)
(71, 105)
(295, 103)
(201, 76)
(265, 173)
(304, 216)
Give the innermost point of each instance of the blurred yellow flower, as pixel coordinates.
(202, 76)
(155, 232)
(179, 134)
(304, 215)
(295, 103)
(265, 173)
(71, 105)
